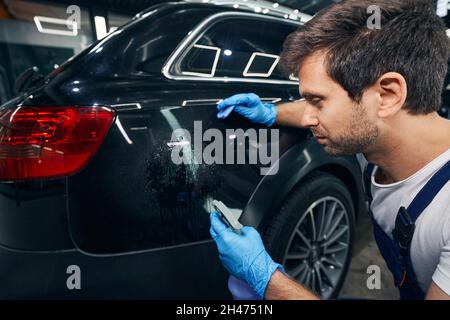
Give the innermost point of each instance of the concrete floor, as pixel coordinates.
(366, 253)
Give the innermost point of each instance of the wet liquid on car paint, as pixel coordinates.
(180, 195)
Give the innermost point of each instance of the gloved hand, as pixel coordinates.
(244, 256)
(250, 106)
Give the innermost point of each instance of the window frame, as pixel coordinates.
(191, 39)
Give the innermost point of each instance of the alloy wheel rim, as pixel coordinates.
(319, 246)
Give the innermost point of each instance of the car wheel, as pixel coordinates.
(312, 234)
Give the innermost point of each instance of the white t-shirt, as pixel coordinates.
(430, 247)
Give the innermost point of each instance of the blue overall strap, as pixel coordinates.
(398, 262)
(397, 251)
(406, 218)
(429, 191)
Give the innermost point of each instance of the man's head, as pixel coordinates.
(356, 78)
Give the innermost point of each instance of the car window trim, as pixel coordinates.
(190, 40)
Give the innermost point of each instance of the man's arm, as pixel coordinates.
(245, 257)
(291, 113)
(280, 287)
(251, 107)
(436, 293)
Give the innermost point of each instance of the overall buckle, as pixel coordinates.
(404, 230)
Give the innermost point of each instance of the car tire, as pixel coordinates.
(312, 233)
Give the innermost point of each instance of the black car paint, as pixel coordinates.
(88, 219)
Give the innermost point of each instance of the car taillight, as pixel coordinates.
(46, 142)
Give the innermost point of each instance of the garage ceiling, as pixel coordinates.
(134, 6)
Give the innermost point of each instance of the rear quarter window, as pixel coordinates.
(235, 47)
(152, 48)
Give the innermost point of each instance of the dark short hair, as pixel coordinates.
(412, 41)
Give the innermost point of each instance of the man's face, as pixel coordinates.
(342, 126)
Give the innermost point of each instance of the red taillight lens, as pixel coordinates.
(45, 142)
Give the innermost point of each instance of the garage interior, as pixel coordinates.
(32, 35)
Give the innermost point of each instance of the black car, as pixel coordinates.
(91, 203)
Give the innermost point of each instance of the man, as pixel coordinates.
(374, 93)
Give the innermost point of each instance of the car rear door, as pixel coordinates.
(134, 197)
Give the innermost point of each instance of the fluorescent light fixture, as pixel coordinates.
(441, 8)
(235, 6)
(264, 75)
(100, 27)
(271, 100)
(275, 5)
(187, 103)
(213, 68)
(38, 20)
(122, 131)
(127, 106)
(258, 9)
(265, 11)
(14, 114)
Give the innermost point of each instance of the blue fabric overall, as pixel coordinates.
(396, 251)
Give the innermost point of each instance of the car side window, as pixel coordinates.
(154, 44)
(239, 48)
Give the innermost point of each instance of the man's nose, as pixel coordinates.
(310, 118)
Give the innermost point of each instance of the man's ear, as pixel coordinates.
(393, 90)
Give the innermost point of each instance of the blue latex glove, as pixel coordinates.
(250, 106)
(244, 255)
(240, 290)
